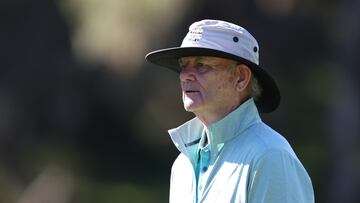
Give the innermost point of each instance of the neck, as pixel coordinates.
(212, 116)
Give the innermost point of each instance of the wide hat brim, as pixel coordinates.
(270, 95)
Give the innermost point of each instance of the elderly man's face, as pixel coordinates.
(207, 84)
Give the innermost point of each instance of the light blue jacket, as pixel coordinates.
(249, 163)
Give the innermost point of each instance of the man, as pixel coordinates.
(227, 153)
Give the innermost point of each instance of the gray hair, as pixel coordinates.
(255, 88)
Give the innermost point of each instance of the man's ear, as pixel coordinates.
(244, 75)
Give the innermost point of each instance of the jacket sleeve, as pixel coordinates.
(278, 177)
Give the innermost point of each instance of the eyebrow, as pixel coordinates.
(197, 58)
(210, 60)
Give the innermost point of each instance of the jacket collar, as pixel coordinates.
(188, 135)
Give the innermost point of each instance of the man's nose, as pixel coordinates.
(187, 74)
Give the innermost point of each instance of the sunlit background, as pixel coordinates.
(84, 118)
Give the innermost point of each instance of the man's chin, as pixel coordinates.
(191, 105)
(189, 108)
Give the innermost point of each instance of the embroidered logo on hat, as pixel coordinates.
(195, 35)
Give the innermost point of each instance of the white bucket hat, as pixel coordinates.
(226, 40)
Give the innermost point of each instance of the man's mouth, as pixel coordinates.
(191, 91)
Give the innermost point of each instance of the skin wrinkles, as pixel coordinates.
(213, 87)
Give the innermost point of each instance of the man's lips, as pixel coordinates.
(191, 91)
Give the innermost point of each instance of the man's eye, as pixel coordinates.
(201, 67)
(182, 63)
(199, 64)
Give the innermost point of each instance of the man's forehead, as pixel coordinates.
(204, 58)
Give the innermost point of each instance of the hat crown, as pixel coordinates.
(223, 36)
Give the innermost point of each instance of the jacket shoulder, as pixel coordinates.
(257, 140)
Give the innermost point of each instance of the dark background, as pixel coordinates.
(83, 117)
